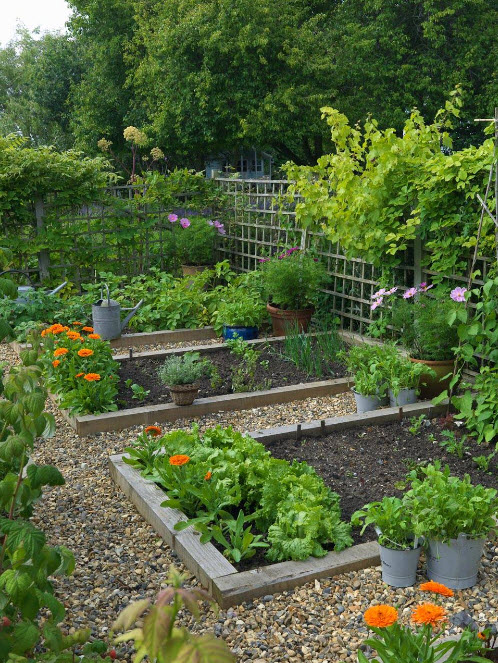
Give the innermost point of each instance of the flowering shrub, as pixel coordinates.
(422, 322)
(214, 478)
(396, 643)
(79, 367)
(195, 243)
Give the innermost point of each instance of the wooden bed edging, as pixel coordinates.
(110, 421)
(222, 580)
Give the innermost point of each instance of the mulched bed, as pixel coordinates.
(364, 464)
(280, 373)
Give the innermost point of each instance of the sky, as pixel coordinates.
(45, 14)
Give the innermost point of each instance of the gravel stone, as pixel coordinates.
(119, 557)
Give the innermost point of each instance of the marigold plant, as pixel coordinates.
(60, 351)
(436, 588)
(92, 377)
(430, 614)
(179, 459)
(85, 352)
(381, 616)
(155, 431)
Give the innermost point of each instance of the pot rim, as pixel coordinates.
(184, 387)
(433, 362)
(273, 308)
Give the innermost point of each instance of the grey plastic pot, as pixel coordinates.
(455, 565)
(404, 397)
(399, 567)
(366, 403)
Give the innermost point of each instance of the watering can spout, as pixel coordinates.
(59, 287)
(130, 314)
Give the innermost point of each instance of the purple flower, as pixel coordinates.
(379, 293)
(376, 303)
(172, 218)
(458, 294)
(423, 287)
(392, 290)
(263, 259)
(221, 230)
(410, 293)
(211, 223)
(184, 223)
(217, 224)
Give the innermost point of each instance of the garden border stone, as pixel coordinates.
(228, 586)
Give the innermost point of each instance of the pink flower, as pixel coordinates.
(423, 287)
(458, 294)
(379, 293)
(263, 259)
(221, 230)
(376, 303)
(392, 290)
(217, 224)
(172, 218)
(184, 223)
(211, 223)
(411, 292)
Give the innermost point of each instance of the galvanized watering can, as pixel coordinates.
(106, 316)
(23, 290)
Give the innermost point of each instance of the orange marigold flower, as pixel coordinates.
(76, 324)
(92, 377)
(482, 636)
(66, 328)
(88, 329)
(153, 430)
(78, 375)
(207, 476)
(85, 352)
(436, 588)
(60, 351)
(57, 329)
(55, 363)
(73, 335)
(94, 336)
(45, 332)
(179, 459)
(428, 613)
(381, 616)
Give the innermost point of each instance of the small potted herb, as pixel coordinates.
(292, 281)
(241, 316)
(369, 389)
(181, 374)
(456, 518)
(403, 380)
(368, 364)
(399, 549)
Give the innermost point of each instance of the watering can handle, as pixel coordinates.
(130, 315)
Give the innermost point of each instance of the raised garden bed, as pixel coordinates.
(223, 581)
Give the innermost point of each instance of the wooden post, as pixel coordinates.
(43, 255)
(417, 260)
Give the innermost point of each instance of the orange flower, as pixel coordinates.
(92, 377)
(85, 352)
(88, 329)
(73, 335)
(381, 616)
(207, 476)
(76, 324)
(55, 363)
(437, 588)
(94, 336)
(57, 329)
(428, 613)
(482, 636)
(45, 332)
(65, 328)
(179, 459)
(60, 351)
(153, 430)
(78, 375)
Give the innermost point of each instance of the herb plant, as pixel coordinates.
(392, 518)
(241, 310)
(313, 354)
(244, 374)
(184, 369)
(292, 280)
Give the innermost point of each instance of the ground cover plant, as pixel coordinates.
(227, 484)
(263, 367)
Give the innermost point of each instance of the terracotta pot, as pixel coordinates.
(192, 270)
(434, 385)
(184, 394)
(283, 320)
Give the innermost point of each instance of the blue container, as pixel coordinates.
(247, 333)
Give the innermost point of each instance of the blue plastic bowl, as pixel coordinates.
(246, 333)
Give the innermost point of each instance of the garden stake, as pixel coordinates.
(322, 426)
(298, 432)
(131, 353)
(400, 414)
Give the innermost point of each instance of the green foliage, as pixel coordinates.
(196, 244)
(237, 540)
(240, 310)
(292, 279)
(452, 444)
(313, 355)
(244, 373)
(370, 367)
(184, 369)
(227, 472)
(393, 520)
(416, 424)
(405, 374)
(389, 189)
(443, 506)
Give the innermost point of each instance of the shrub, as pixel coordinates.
(292, 279)
(184, 369)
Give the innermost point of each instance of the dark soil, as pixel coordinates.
(364, 464)
(280, 373)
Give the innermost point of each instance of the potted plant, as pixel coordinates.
(456, 518)
(292, 280)
(241, 316)
(422, 322)
(369, 389)
(195, 242)
(399, 548)
(181, 374)
(368, 364)
(403, 380)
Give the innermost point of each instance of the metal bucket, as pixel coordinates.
(455, 565)
(107, 320)
(399, 567)
(366, 403)
(405, 397)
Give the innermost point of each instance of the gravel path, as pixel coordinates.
(119, 558)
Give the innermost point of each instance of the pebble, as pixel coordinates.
(119, 557)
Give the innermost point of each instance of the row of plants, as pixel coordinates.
(450, 516)
(236, 494)
(30, 612)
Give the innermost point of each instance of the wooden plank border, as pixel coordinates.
(151, 414)
(227, 585)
